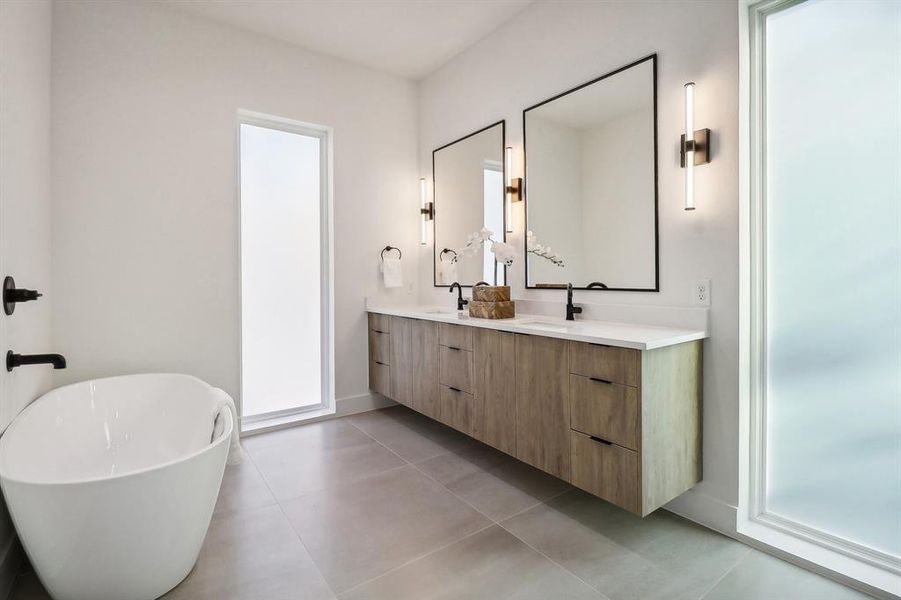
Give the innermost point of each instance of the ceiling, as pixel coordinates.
(410, 38)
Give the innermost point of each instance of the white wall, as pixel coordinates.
(25, 28)
(145, 256)
(549, 48)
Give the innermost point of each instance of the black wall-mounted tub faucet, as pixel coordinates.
(14, 360)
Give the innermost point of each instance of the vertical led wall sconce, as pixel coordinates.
(426, 211)
(513, 187)
(695, 146)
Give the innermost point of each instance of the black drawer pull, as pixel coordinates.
(378, 331)
(452, 348)
(458, 390)
(600, 441)
(597, 380)
(380, 363)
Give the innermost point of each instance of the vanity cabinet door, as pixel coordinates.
(456, 409)
(617, 365)
(401, 362)
(609, 411)
(379, 379)
(494, 389)
(425, 368)
(608, 471)
(542, 404)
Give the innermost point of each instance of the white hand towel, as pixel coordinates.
(447, 271)
(392, 272)
(235, 451)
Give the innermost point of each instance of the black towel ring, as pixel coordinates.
(449, 251)
(389, 249)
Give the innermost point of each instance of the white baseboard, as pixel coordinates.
(362, 403)
(705, 510)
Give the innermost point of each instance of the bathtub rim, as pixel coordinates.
(224, 437)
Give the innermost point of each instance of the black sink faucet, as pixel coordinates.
(14, 360)
(571, 310)
(460, 301)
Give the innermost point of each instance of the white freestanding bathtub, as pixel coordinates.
(111, 483)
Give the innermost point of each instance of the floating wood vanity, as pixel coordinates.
(623, 423)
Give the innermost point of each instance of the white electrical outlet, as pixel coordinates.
(701, 293)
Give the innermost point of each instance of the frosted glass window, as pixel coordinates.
(833, 269)
(280, 271)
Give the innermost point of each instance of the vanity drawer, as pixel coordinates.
(379, 323)
(455, 368)
(456, 409)
(455, 336)
(379, 347)
(607, 470)
(618, 365)
(610, 411)
(379, 378)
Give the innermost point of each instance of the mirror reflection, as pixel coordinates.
(591, 184)
(469, 196)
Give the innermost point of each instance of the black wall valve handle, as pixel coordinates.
(12, 295)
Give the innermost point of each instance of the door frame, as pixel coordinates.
(326, 406)
(846, 558)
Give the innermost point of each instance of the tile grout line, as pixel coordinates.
(463, 500)
(448, 545)
(492, 522)
(564, 569)
(281, 509)
(415, 559)
(414, 465)
(361, 430)
(719, 579)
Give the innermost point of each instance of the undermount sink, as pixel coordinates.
(440, 311)
(548, 325)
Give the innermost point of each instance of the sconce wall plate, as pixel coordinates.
(699, 147)
(515, 189)
(428, 211)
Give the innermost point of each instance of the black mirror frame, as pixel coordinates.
(503, 124)
(656, 288)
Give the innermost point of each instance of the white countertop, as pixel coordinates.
(625, 335)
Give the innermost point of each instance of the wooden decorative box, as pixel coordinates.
(491, 293)
(503, 309)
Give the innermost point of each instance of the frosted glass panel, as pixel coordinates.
(280, 271)
(833, 269)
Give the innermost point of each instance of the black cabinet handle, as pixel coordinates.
(600, 441)
(452, 348)
(598, 380)
(458, 390)
(380, 363)
(378, 331)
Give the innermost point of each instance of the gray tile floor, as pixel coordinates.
(392, 505)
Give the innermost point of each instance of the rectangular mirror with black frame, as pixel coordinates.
(469, 178)
(591, 184)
